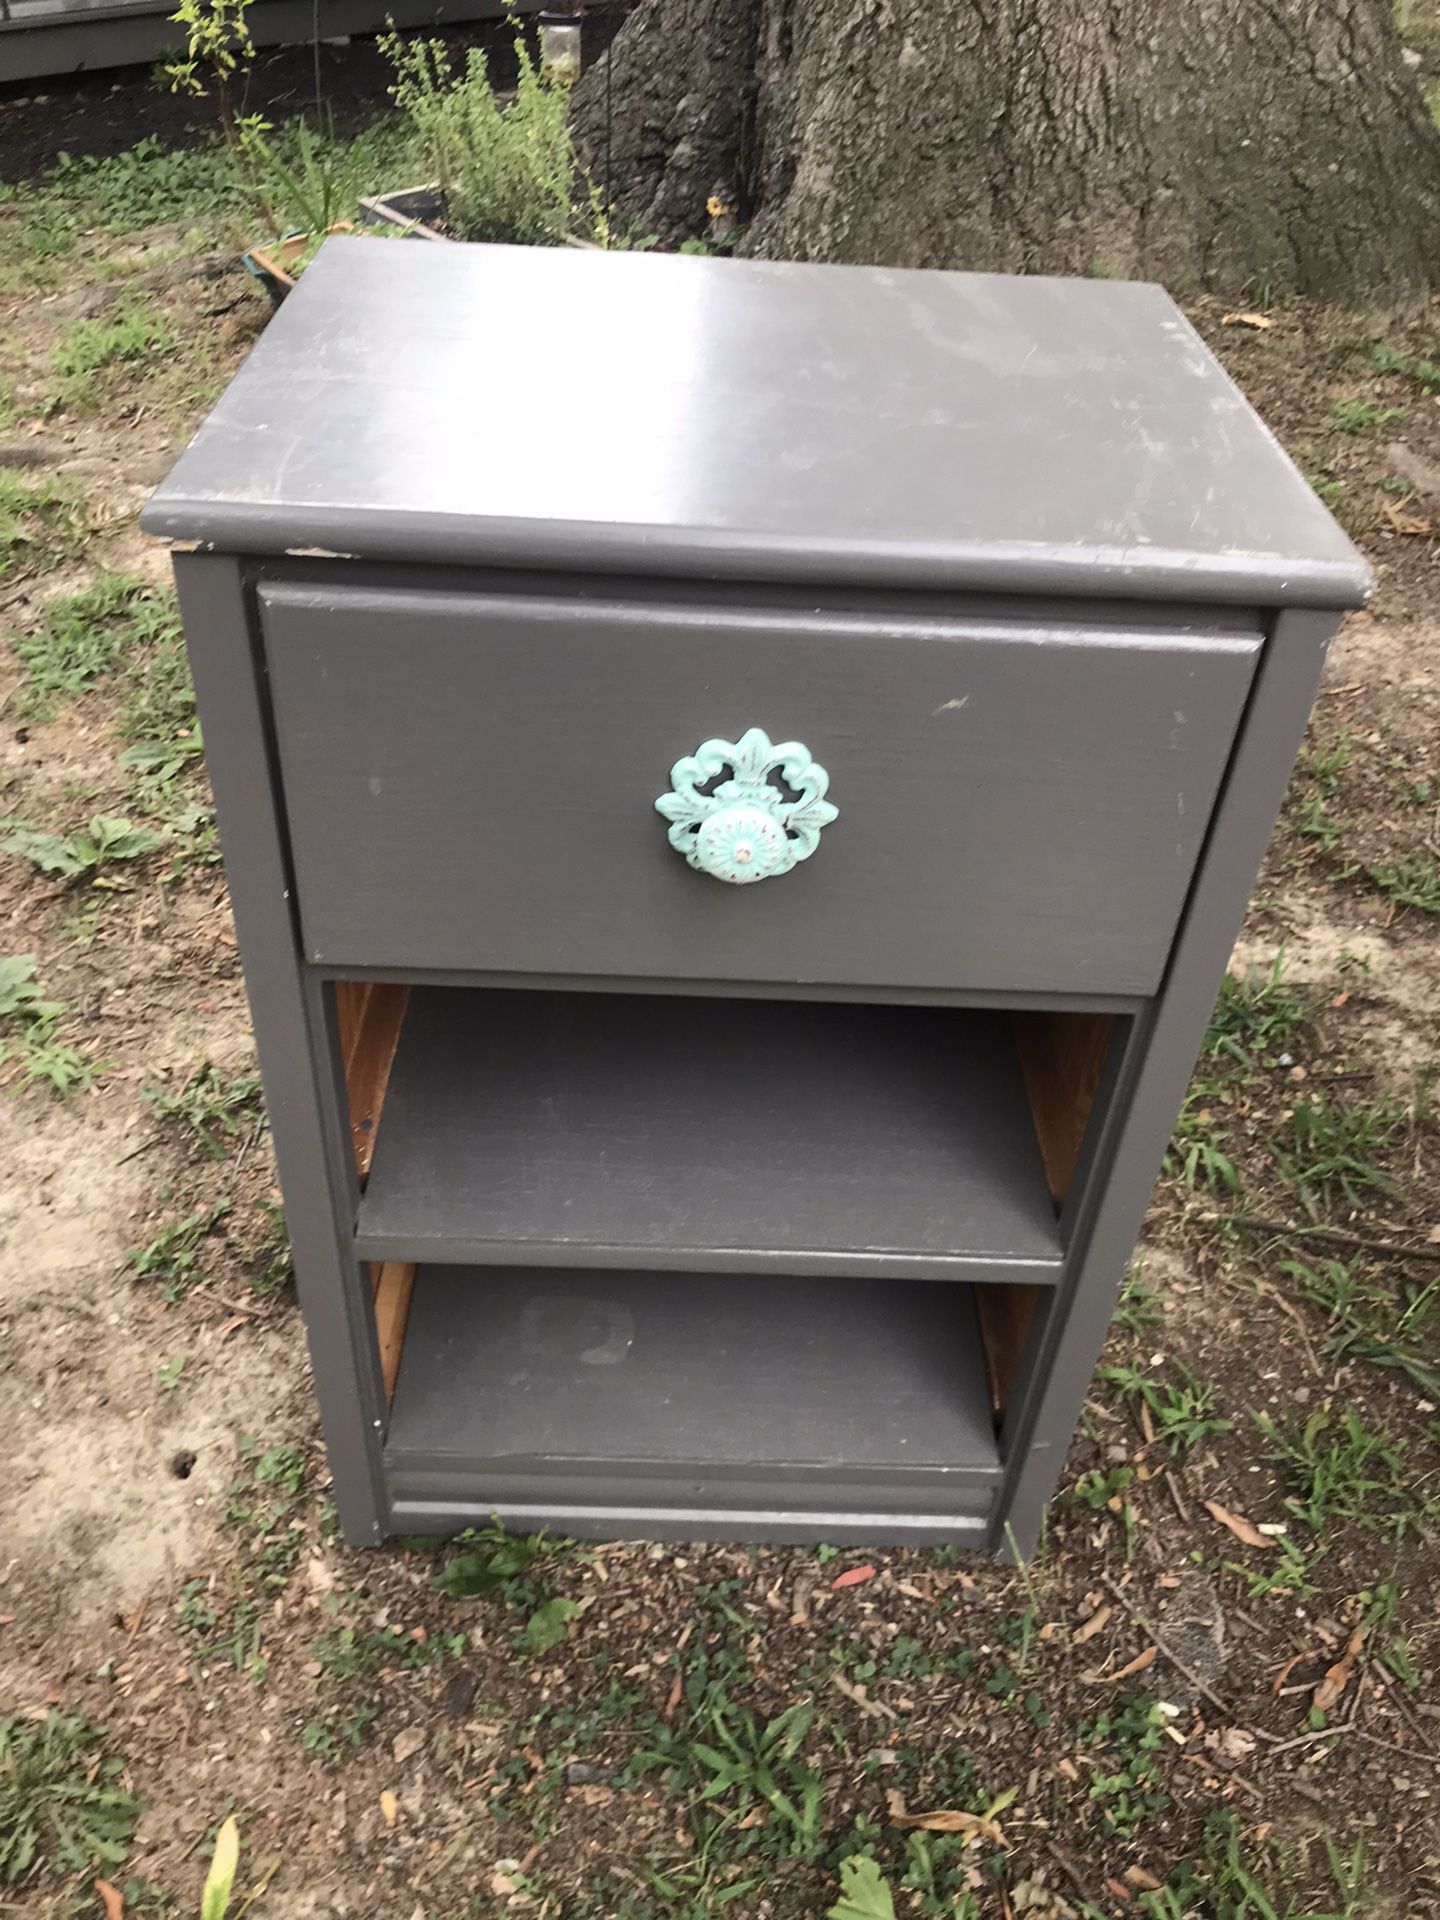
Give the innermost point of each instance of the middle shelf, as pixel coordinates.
(678, 1132)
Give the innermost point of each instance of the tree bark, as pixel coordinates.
(1232, 144)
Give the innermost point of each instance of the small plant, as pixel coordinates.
(1225, 1885)
(1256, 1017)
(1359, 415)
(106, 840)
(134, 336)
(173, 1256)
(1411, 883)
(508, 171)
(62, 1807)
(1197, 1151)
(1129, 1792)
(215, 1111)
(1183, 1413)
(224, 1863)
(1341, 1471)
(312, 195)
(1329, 1152)
(864, 1893)
(218, 52)
(81, 638)
(1139, 1307)
(32, 1039)
(167, 1376)
(43, 523)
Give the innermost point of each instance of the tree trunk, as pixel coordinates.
(1202, 143)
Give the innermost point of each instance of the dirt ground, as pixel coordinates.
(1215, 1688)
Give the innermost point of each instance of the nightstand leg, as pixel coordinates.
(1124, 1176)
(297, 1059)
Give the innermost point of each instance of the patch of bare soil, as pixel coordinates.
(1224, 1660)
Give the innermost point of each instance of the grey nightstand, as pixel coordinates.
(767, 1168)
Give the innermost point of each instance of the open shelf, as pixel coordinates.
(667, 1132)
(558, 1390)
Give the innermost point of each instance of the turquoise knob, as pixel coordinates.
(744, 826)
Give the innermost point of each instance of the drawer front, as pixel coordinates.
(470, 783)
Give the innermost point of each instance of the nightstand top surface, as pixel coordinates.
(649, 413)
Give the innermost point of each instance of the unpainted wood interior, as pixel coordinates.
(1062, 1056)
(368, 1018)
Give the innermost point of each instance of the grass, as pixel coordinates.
(1182, 1411)
(134, 335)
(216, 1111)
(1341, 1473)
(43, 523)
(173, 1256)
(63, 1810)
(1360, 415)
(1197, 1153)
(1257, 1018)
(1331, 1149)
(30, 1032)
(84, 637)
(1392, 1324)
(1414, 882)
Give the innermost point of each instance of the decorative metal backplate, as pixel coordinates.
(747, 827)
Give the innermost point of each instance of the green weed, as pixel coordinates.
(1257, 1017)
(62, 1807)
(1127, 1791)
(1359, 415)
(214, 1110)
(1368, 1322)
(1410, 883)
(173, 1256)
(1225, 1885)
(1197, 1153)
(1182, 1412)
(507, 170)
(81, 638)
(43, 523)
(1330, 1150)
(29, 1031)
(86, 853)
(864, 1892)
(1139, 1307)
(135, 335)
(1341, 1472)
(726, 1752)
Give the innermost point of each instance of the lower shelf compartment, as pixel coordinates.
(792, 1406)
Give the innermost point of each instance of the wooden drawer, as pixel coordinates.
(470, 783)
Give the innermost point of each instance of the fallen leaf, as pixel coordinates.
(974, 1826)
(1120, 1891)
(854, 1577)
(318, 1577)
(1091, 1627)
(755, 1818)
(1260, 321)
(502, 1884)
(676, 1692)
(1337, 1678)
(1282, 1674)
(406, 1744)
(389, 1807)
(232, 1325)
(1137, 1665)
(593, 1794)
(1068, 1768)
(111, 1899)
(1401, 521)
(1142, 1881)
(1237, 1523)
